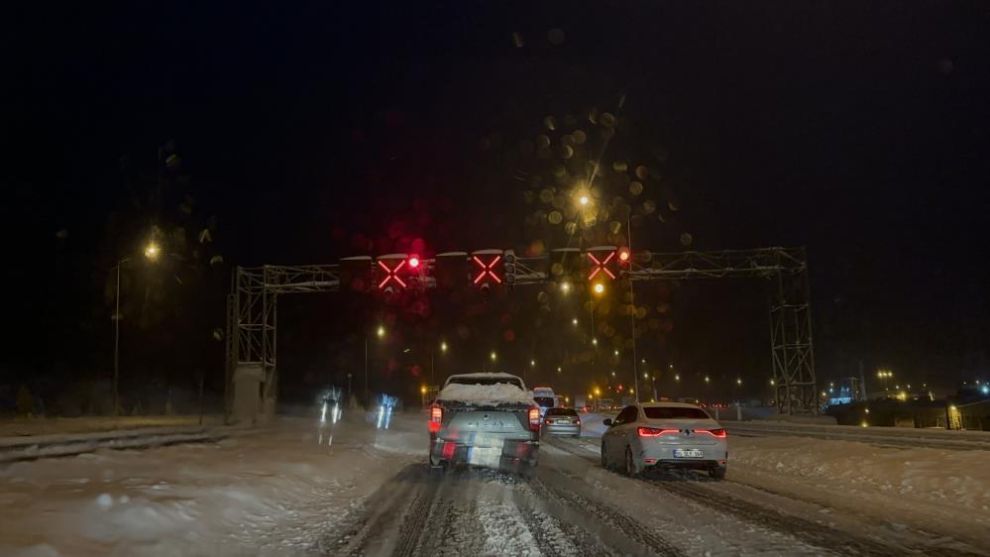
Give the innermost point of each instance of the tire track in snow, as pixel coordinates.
(819, 535)
(625, 528)
(410, 492)
(554, 533)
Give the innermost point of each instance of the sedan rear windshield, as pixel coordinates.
(675, 413)
(485, 381)
(561, 412)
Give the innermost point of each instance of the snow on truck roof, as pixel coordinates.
(488, 391)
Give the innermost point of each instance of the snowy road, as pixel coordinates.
(294, 490)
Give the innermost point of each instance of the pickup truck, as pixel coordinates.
(485, 419)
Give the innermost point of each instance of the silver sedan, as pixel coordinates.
(665, 435)
(562, 421)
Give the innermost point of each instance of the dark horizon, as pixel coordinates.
(305, 134)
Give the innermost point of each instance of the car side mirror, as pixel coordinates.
(607, 421)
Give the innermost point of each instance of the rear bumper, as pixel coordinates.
(514, 454)
(662, 456)
(562, 429)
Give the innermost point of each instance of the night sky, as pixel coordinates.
(305, 132)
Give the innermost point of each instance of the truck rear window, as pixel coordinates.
(544, 401)
(675, 413)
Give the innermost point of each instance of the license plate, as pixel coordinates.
(689, 453)
(484, 456)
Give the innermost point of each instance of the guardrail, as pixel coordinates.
(14, 449)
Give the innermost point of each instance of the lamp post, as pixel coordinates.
(151, 252)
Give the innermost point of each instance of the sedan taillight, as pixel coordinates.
(719, 432)
(654, 431)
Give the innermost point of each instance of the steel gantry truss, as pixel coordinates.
(253, 303)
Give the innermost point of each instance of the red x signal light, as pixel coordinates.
(391, 274)
(624, 256)
(486, 269)
(601, 265)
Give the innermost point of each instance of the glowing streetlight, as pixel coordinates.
(558, 369)
(532, 363)
(738, 381)
(152, 251)
(707, 379)
(613, 374)
(493, 356)
(565, 287)
(443, 347)
(380, 332)
(594, 341)
(616, 352)
(597, 391)
(422, 390)
(772, 382)
(677, 377)
(584, 200)
(574, 322)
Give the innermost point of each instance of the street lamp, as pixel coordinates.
(443, 347)
(565, 287)
(493, 356)
(574, 322)
(151, 252)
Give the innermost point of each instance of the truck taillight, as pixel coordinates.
(436, 417)
(534, 419)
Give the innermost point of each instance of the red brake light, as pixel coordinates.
(653, 431)
(720, 432)
(414, 262)
(436, 417)
(534, 419)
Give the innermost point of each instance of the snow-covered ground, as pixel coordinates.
(273, 491)
(296, 488)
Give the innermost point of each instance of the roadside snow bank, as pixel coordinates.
(960, 479)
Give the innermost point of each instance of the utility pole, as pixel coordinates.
(116, 343)
(632, 313)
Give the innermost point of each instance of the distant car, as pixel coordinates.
(545, 398)
(663, 435)
(562, 421)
